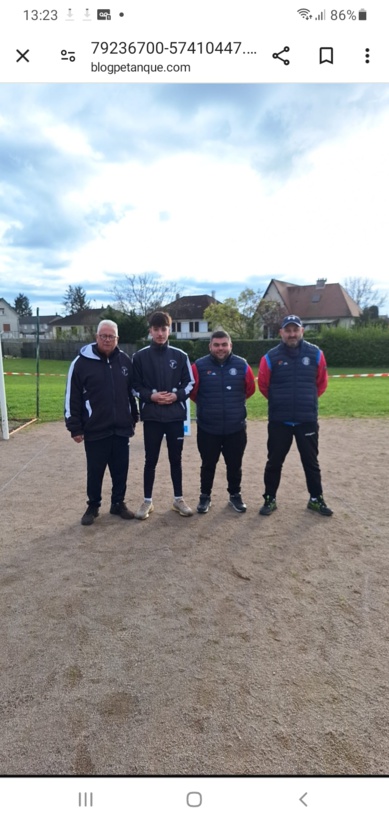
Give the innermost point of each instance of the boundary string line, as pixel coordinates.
(44, 374)
(383, 374)
(31, 374)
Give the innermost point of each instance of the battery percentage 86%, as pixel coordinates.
(343, 15)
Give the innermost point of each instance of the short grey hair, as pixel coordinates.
(112, 325)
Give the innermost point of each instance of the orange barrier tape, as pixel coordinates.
(384, 374)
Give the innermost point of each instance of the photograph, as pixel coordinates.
(202, 266)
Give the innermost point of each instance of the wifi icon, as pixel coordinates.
(304, 13)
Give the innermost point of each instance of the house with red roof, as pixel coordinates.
(322, 304)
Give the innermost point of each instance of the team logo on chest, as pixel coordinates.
(125, 371)
(306, 361)
(173, 364)
(233, 371)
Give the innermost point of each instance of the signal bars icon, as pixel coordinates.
(306, 14)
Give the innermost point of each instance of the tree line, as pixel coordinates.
(136, 296)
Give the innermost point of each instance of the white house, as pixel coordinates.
(28, 327)
(9, 321)
(79, 326)
(187, 315)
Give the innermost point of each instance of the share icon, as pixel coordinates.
(277, 55)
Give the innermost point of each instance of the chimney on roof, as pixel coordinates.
(320, 282)
(213, 294)
(177, 296)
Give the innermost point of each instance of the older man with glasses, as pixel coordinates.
(101, 412)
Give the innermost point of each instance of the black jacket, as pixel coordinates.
(162, 368)
(99, 401)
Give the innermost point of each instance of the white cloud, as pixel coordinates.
(68, 140)
(210, 186)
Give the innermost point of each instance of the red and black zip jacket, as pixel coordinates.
(220, 392)
(292, 379)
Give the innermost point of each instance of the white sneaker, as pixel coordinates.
(181, 507)
(145, 509)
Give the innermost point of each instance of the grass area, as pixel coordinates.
(21, 390)
(354, 370)
(345, 397)
(367, 397)
(24, 364)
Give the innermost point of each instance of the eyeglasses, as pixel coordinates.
(109, 337)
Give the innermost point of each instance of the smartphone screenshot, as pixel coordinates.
(201, 160)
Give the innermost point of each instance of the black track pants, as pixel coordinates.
(114, 452)
(153, 433)
(211, 446)
(280, 438)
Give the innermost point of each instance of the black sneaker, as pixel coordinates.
(269, 505)
(204, 504)
(237, 503)
(122, 510)
(89, 516)
(319, 506)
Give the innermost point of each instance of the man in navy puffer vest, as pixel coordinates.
(292, 376)
(223, 382)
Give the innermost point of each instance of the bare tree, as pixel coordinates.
(270, 314)
(364, 292)
(248, 301)
(143, 293)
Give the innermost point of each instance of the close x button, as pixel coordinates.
(22, 55)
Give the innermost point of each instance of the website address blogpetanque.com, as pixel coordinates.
(146, 68)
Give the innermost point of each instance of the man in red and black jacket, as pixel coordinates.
(223, 382)
(292, 376)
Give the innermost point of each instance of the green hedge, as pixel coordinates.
(359, 347)
(341, 347)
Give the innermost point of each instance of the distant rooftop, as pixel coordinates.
(43, 318)
(322, 300)
(88, 317)
(190, 307)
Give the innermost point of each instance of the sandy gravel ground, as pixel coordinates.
(218, 644)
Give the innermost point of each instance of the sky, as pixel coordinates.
(212, 187)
